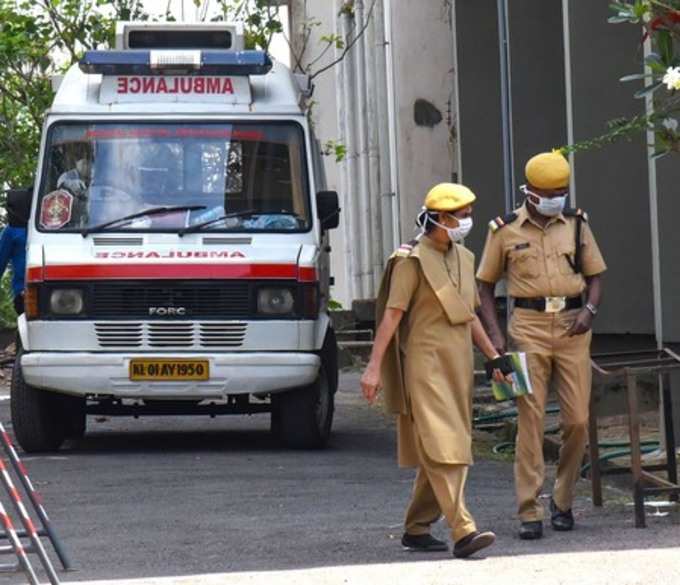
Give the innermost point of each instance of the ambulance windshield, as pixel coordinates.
(98, 173)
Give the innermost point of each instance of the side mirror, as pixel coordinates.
(18, 204)
(328, 209)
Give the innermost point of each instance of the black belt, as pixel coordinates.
(540, 304)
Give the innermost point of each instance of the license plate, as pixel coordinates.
(163, 370)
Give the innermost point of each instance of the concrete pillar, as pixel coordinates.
(424, 81)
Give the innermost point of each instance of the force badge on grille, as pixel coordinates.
(167, 311)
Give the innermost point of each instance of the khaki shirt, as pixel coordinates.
(428, 370)
(535, 260)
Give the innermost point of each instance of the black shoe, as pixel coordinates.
(561, 521)
(422, 543)
(531, 530)
(472, 543)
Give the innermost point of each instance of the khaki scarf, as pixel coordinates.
(457, 310)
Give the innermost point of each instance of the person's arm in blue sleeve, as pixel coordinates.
(18, 260)
(5, 249)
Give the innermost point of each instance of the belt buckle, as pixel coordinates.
(555, 304)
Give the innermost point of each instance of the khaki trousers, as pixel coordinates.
(438, 489)
(551, 355)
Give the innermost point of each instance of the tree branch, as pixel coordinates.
(54, 19)
(349, 45)
(320, 55)
(307, 33)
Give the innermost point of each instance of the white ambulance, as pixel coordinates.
(178, 256)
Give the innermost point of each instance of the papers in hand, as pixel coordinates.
(521, 383)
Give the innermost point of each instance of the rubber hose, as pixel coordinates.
(614, 444)
(616, 454)
(505, 447)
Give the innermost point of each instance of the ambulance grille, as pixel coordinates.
(172, 336)
(226, 299)
(222, 334)
(119, 334)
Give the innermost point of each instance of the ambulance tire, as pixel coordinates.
(35, 419)
(329, 355)
(73, 409)
(305, 415)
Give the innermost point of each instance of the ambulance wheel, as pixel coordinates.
(73, 409)
(35, 414)
(306, 414)
(329, 355)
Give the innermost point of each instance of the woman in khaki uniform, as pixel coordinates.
(423, 355)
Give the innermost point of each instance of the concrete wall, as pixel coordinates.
(612, 183)
(424, 98)
(668, 179)
(479, 126)
(537, 90)
(538, 84)
(423, 73)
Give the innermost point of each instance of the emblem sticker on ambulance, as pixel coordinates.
(56, 208)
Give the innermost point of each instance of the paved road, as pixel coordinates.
(218, 496)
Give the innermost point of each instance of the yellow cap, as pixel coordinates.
(449, 197)
(548, 170)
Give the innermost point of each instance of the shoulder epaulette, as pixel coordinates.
(575, 212)
(404, 251)
(500, 222)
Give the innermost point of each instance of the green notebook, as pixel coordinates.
(521, 383)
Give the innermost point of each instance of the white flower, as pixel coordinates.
(670, 124)
(672, 78)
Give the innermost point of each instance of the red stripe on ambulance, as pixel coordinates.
(174, 271)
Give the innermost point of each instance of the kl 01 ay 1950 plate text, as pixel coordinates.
(168, 370)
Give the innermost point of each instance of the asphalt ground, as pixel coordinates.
(169, 497)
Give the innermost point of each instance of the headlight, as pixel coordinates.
(67, 301)
(275, 301)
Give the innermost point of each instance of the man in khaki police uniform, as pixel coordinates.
(422, 354)
(552, 265)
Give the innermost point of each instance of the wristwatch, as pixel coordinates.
(592, 308)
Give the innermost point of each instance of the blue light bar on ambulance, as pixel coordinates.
(166, 61)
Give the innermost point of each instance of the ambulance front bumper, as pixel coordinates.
(108, 374)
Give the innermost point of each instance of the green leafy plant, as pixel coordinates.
(8, 317)
(37, 40)
(334, 305)
(659, 21)
(334, 148)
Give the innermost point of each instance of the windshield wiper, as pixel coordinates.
(199, 226)
(153, 211)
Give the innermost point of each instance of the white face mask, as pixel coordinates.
(459, 233)
(548, 206)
